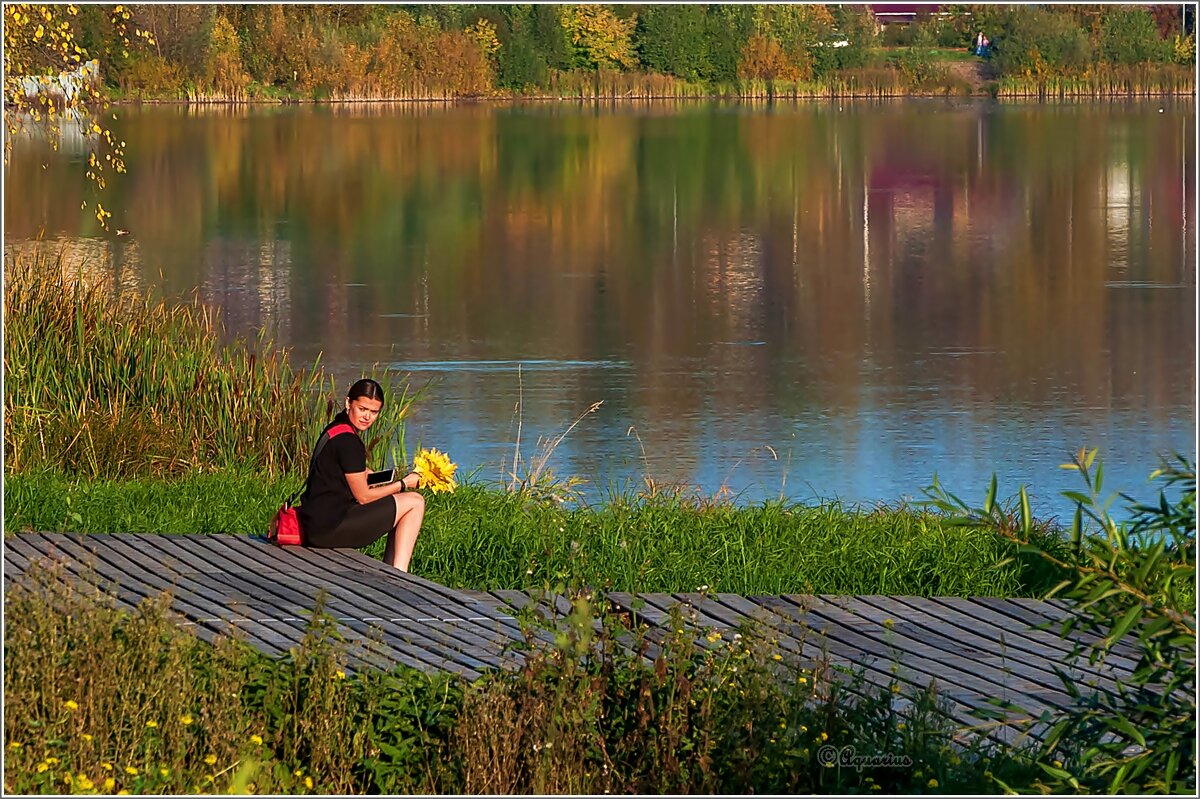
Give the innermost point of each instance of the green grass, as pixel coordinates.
(489, 539)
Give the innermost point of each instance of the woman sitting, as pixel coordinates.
(338, 509)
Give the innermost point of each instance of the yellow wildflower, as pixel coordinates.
(888, 623)
(308, 783)
(824, 736)
(71, 704)
(52, 761)
(15, 745)
(109, 784)
(185, 719)
(122, 792)
(43, 766)
(151, 723)
(777, 657)
(106, 766)
(131, 771)
(435, 470)
(339, 675)
(83, 782)
(210, 759)
(298, 772)
(933, 783)
(164, 772)
(256, 740)
(86, 737)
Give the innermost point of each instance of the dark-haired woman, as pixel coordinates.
(338, 509)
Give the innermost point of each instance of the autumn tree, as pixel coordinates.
(602, 40)
(50, 80)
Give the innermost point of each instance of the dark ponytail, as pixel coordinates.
(365, 388)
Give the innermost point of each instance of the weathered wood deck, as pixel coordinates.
(975, 649)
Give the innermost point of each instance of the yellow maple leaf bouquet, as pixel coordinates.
(435, 470)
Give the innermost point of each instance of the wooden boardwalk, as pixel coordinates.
(976, 649)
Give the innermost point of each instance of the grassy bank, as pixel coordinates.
(489, 539)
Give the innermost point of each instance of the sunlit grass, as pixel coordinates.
(492, 539)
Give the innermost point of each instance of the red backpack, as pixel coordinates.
(285, 527)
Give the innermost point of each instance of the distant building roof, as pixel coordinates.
(886, 12)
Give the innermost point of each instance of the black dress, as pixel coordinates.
(329, 514)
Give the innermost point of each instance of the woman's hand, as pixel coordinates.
(410, 484)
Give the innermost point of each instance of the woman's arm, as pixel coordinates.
(364, 494)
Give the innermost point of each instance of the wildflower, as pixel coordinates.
(339, 675)
(109, 784)
(783, 725)
(256, 740)
(83, 782)
(106, 766)
(151, 723)
(824, 736)
(435, 470)
(933, 783)
(803, 728)
(210, 759)
(875, 787)
(895, 687)
(66, 779)
(52, 761)
(131, 771)
(122, 792)
(308, 783)
(86, 737)
(43, 766)
(901, 726)
(71, 705)
(164, 772)
(1058, 764)
(777, 656)
(15, 745)
(185, 719)
(802, 680)
(713, 637)
(298, 773)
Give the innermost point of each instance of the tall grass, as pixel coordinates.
(108, 385)
(103, 701)
(1103, 80)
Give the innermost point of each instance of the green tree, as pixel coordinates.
(671, 40)
(550, 38)
(727, 28)
(520, 65)
(1130, 36)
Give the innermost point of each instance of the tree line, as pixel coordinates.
(374, 51)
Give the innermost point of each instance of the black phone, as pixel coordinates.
(381, 478)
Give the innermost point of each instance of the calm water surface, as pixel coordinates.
(876, 292)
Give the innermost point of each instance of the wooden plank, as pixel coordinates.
(1006, 633)
(1028, 613)
(210, 552)
(976, 676)
(114, 549)
(974, 649)
(78, 558)
(347, 599)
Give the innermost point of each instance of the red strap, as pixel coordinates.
(338, 429)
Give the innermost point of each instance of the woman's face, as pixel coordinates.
(363, 412)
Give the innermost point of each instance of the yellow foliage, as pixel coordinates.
(435, 470)
(485, 33)
(605, 39)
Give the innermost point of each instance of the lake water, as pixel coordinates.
(819, 300)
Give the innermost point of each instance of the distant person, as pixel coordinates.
(979, 43)
(338, 509)
(985, 49)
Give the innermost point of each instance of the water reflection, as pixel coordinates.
(878, 291)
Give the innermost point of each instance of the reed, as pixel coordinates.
(1102, 81)
(106, 385)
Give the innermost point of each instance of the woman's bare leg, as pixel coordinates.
(410, 512)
